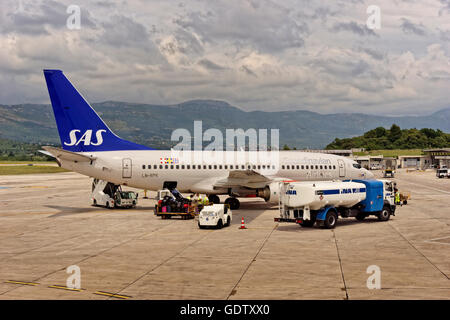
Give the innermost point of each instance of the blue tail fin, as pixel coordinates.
(79, 126)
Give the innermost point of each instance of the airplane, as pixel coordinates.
(89, 147)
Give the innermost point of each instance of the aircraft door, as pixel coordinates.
(126, 168)
(341, 166)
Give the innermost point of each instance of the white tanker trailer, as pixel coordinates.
(306, 203)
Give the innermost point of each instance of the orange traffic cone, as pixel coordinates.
(242, 224)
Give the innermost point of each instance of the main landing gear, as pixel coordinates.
(233, 203)
(214, 198)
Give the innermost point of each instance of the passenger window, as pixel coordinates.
(209, 167)
(321, 167)
(155, 166)
(254, 167)
(215, 166)
(242, 167)
(263, 166)
(204, 166)
(177, 167)
(231, 166)
(143, 166)
(166, 166)
(225, 167)
(220, 167)
(282, 167)
(193, 166)
(317, 167)
(334, 167)
(188, 166)
(171, 166)
(303, 167)
(288, 167)
(182, 166)
(160, 166)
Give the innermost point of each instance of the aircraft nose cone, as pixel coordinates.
(368, 174)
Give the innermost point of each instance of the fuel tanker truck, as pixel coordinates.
(307, 203)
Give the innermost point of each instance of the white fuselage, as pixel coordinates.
(199, 171)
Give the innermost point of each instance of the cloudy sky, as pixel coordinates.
(254, 54)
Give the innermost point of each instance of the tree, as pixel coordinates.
(395, 133)
(395, 138)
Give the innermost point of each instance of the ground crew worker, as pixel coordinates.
(205, 200)
(397, 197)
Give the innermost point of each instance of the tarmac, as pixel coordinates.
(47, 224)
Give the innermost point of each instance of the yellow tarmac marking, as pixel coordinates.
(111, 295)
(22, 282)
(65, 288)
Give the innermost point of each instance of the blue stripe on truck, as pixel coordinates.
(334, 191)
(349, 190)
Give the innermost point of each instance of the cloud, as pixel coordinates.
(34, 18)
(446, 7)
(257, 55)
(208, 64)
(263, 25)
(354, 27)
(409, 27)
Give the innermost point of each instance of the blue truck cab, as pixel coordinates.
(374, 195)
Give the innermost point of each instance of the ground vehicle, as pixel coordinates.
(375, 166)
(160, 194)
(171, 203)
(404, 196)
(215, 215)
(306, 203)
(389, 173)
(110, 195)
(442, 173)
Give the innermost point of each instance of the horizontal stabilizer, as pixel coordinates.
(67, 155)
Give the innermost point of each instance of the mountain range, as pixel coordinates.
(152, 125)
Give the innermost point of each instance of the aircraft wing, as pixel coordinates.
(247, 179)
(66, 155)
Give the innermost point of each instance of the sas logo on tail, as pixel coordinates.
(86, 138)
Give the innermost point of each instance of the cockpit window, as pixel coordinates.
(357, 165)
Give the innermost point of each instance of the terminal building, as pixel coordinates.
(431, 158)
(439, 157)
(418, 162)
(376, 162)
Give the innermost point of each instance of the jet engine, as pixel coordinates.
(270, 193)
